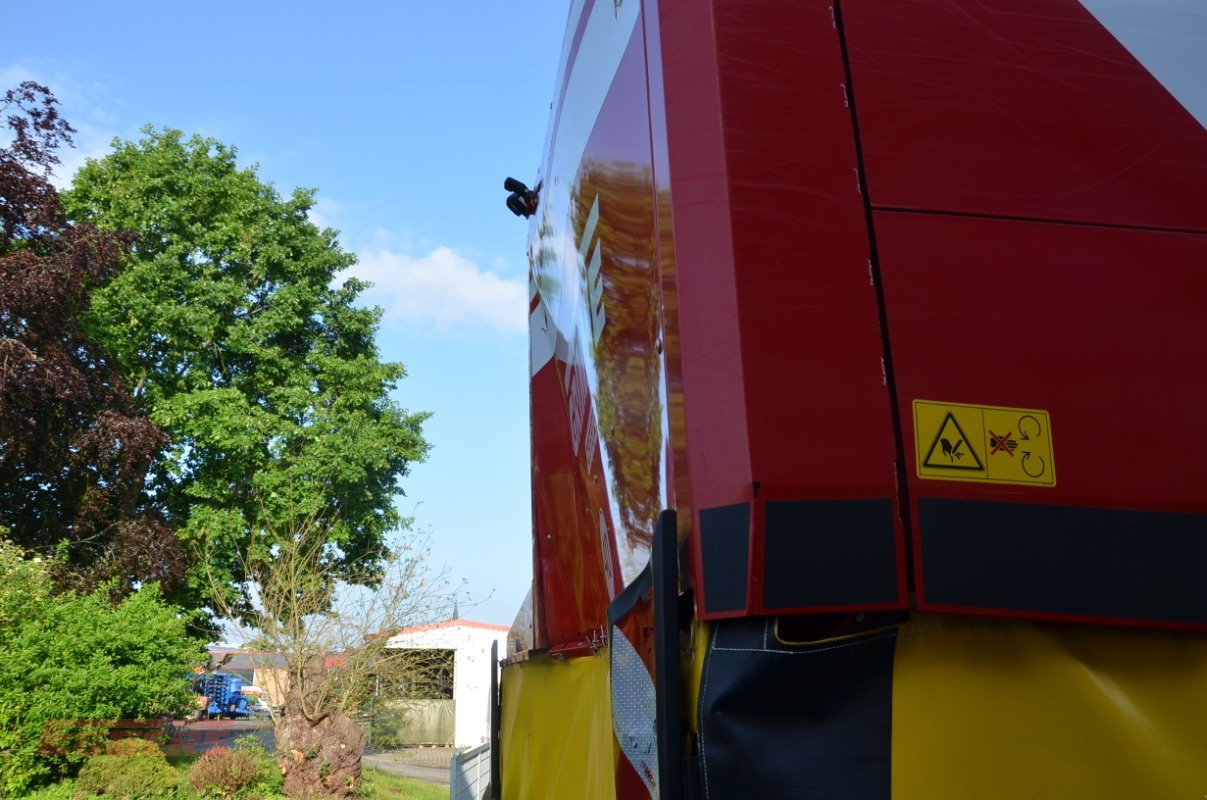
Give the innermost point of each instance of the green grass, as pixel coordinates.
(378, 785)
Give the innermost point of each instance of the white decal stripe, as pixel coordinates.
(605, 39)
(589, 230)
(576, 11)
(542, 334)
(595, 307)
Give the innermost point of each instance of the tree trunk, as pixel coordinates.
(319, 759)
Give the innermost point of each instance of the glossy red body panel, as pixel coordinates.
(818, 415)
(1026, 108)
(570, 586)
(599, 449)
(997, 122)
(674, 423)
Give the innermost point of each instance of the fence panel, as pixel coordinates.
(469, 776)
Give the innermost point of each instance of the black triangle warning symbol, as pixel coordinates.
(952, 449)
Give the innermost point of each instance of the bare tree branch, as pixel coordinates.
(332, 637)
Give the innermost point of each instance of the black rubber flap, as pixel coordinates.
(779, 721)
(829, 553)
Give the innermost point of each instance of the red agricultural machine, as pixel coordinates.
(868, 410)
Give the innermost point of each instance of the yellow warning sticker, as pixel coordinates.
(990, 444)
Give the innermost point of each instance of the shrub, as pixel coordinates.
(71, 664)
(384, 734)
(63, 790)
(132, 746)
(270, 780)
(225, 772)
(128, 777)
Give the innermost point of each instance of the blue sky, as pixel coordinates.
(406, 116)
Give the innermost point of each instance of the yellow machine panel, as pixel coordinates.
(1002, 710)
(556, 729)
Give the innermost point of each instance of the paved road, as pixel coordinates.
(427, 774)
(197, 736)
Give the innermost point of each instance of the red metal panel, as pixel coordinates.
(1106, 329)
(722, 179)
(781, 353)
(718, 460)
(714, 411)
(674, 422)
(1026, 108)
(818, 410)
(623, 355)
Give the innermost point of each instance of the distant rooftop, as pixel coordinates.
(449, 623)
(239, 659)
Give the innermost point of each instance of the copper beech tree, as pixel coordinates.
(74, 445)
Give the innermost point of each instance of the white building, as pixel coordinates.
(470, 642)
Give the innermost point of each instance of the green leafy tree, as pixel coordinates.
(229, 322)
(69, 658)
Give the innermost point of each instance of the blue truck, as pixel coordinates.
(224, 696)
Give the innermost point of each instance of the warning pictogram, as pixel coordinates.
(951, 438)
(951, 448)
(1002, 444)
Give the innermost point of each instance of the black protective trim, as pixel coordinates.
(1100, 562)
(829, 553)
(668, 681)
(626, 601)
(725, 551)
(778, 721)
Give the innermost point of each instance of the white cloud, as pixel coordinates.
(90, 143)
(323, 213)
(10, 76)
(442, 290)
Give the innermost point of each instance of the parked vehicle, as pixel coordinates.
(223, 695)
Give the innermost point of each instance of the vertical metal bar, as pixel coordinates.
(496, 762)
(668, 698)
